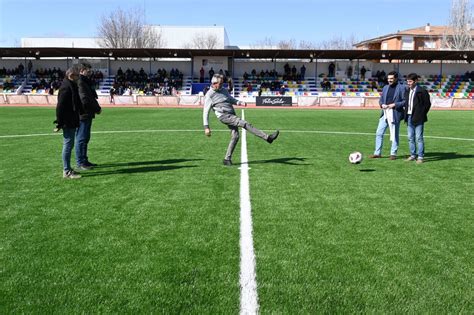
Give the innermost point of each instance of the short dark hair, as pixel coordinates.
(84, 66)
(394, 73)
(412, 76)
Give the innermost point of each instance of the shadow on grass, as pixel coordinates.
(145, 167)
(438, 156)
(288, 161)
(366, 170)
(170, 161)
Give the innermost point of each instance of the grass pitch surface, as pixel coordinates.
(155, 228)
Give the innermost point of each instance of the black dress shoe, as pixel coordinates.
(273, 136)
(227, 162)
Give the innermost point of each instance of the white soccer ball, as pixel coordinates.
(355, 157)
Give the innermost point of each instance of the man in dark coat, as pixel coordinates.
(87, 112)
(67, 119)
(417, 105)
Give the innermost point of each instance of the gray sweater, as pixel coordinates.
(220, 101)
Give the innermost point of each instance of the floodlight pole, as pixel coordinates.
(440, 72)
(358, 69)
(316, 72)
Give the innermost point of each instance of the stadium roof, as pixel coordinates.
(39, 52)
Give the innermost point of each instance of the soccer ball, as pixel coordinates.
(355, 157)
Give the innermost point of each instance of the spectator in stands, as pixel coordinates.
(230, 85)
(302, 72)
(201, 75)
(211, 73)
(293, 72)
(219, 100)
(417, 105)
(466, 76)
(373, 86)
(349, 71)
(51, 88)
(21, 68)
(282, 89)
(362, 73)
(30, 66)
(382, 80)
(326, 85)
(87, 112)
(67, 119)
(112, 92)
(392, 102)
(331, 69)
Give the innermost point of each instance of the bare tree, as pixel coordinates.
(307, 45)
(127, 29)
(205, 41)
(287, 44)
(266, 43)
(458, 35)
(338, 43)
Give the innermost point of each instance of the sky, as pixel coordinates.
(246, 22)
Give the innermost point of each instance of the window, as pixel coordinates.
(430, 44)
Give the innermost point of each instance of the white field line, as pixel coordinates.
(248, 282)
(192, 130)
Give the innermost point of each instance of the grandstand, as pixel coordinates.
(176, 74)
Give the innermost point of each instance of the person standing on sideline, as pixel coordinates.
(417, 106)
(67, 119)
(392, 102)
(219, 100)
(87, 112)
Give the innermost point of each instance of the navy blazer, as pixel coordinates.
(399, 100)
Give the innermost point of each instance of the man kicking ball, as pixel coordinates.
(219, 100)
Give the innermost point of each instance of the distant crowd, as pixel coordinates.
(160, 83)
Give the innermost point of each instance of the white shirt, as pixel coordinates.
(410, 100)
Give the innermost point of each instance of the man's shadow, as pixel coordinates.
(160, 162)
(438, 156)
(144, 167)
(287, 160)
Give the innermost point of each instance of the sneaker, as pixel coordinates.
(84, 167)
(90, 164)
(227, 162)
(273, 136)
(419, 161)
(70, 174)
(375, 156)
(410, 158)
(392, 157)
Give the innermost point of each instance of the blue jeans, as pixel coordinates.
(83, 135)
(415, 132)
(68, 144)
(383, 125)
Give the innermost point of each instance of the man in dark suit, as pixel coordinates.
(417, 105)
(87, 112)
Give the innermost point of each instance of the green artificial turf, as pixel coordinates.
(155, 228)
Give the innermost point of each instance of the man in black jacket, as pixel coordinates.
(87, 111)
(417, 105)
(67, 119)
